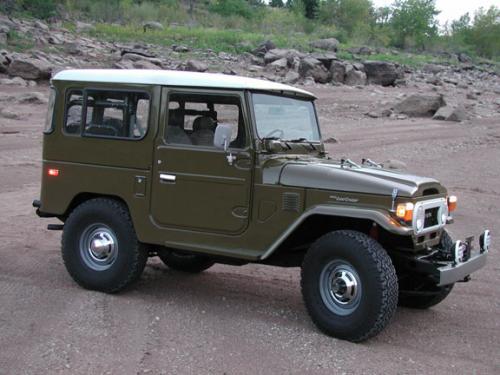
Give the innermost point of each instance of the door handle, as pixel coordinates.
(167, 177)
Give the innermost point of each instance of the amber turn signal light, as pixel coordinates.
(452, 203)
(405, 211)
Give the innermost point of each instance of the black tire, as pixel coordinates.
(100, 248)
(184, 262)
(419, 293)
(372, 303)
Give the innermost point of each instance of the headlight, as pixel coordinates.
(420, 219)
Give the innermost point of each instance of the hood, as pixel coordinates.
(368, 180)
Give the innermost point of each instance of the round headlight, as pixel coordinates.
(420, 219)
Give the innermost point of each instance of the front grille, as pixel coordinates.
(431, 217)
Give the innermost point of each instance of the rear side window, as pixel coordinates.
(107, 113)
(49, 126)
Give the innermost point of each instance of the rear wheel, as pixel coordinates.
(100, 248)
(349, 285)
(184, 262)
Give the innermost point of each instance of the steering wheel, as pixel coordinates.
(270, 135)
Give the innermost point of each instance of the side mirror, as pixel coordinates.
(222, 136)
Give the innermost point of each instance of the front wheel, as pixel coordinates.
(349, 285)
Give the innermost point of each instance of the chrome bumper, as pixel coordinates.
(453, 273)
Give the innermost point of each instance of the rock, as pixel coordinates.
(329, 44)
(420, 105)
(5, 113)
(291, 77)
(32, 98)
(471, 95)
(337, 69)
(254, 68)
(394, 164)
(40, 25)
(29, 68)
(330, 140)
(180, 48)
(263, 48)
(196, 66)
(280, 64)
(55, 39)
(381, 72)
(354, 77)
(6, 97)
(361, 50)
(144, 64)
(401, 116)
(3, 38)
(73, 48)
(326, 58)
(134, 57)
(82, 27)
(311, 67)
(16, 81)
(448, 113)
(137, 51)
(464, 58)
(278, 53)
(433, 68)
(152, 25)
(4, 63)
(372, 114)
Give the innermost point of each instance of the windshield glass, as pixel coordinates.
(285, 118)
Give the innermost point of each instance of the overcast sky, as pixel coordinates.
(452, 9)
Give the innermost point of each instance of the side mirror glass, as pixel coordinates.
(222, 136)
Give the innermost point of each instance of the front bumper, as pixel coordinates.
(457, 272)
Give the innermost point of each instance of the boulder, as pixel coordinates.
(448, 113)
(152, 25)
(144, 64)
(433, 68)
(420, 105)
(337, 69)
(329, 44)
(311, 67)
(56, 39)
(8, 114)
(4, 63)
(84, 27)
(16, 81)
(361, 50)
(3, 38)
(32, 98)
(263, 48)
(394, 164)
(29, 68)
(41, 25)
(278, 53)
(196, 66)
(280, 64)
(325, 57)
(381, 72)
(354, 77)
(176, 48)
(291, 77)
(464, 58)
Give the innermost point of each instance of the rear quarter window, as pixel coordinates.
(49, 118)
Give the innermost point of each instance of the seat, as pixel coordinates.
(203, 131)
(175, 131)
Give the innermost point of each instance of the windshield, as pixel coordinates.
(285, 118)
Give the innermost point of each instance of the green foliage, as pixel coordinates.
(276, 4)
(414, 22)
(43, 9)
(20, 42)
(232, 7)
(349, 15)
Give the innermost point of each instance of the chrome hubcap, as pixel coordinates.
(98, 247)
(340, 287)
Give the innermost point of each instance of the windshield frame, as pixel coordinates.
(296, 97)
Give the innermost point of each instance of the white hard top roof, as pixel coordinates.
(176, 78)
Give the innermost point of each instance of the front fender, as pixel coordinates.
(379, 217)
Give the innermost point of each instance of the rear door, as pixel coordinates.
(194, 186)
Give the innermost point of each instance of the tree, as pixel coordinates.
(276, 3)
(346, 14)
(414, 22)
(484, 35)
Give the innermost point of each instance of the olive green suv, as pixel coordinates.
(199, 169)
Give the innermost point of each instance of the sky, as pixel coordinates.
(452, 9)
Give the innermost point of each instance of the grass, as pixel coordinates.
(20, 42)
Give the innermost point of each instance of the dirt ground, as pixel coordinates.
(251, 319)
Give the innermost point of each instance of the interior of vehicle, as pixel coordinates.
(193, 118)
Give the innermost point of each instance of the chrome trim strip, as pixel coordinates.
(432, 203)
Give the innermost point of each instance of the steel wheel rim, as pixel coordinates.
(98, 247)
(340, 287)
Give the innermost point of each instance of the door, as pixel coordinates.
(195, 186)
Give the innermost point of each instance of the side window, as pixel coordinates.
(193, 118)
(49, 123)
(116, 114)
(73, 113)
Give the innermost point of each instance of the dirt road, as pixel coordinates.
(246, 320)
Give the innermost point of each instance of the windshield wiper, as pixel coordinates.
(300, 140)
